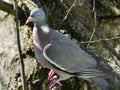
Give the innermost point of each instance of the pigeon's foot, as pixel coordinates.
(53, 79)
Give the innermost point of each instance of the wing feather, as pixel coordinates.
(65, 54)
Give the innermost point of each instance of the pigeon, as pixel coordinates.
(59, 53)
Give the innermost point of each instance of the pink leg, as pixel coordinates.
(54, 79)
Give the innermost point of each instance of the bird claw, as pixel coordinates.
(54, 79)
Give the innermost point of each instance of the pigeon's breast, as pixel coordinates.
(39, 41)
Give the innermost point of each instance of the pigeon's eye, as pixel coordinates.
(38, 15)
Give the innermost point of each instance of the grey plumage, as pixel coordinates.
(57, 52)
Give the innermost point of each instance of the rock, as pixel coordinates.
(10, 68)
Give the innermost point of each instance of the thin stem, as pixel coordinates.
(99, 40)
(68, 11)
(19, 46)
(94, 27)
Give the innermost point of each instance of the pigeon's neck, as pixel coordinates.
(45, 29)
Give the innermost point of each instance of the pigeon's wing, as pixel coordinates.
(64, 54)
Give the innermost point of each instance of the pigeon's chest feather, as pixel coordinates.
(40, 39)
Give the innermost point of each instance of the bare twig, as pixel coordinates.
(106, 39)
(68, 11)
(94, 27)
(19, 45)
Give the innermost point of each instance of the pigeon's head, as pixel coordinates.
(37, 16)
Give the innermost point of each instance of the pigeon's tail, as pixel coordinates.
(96, 76)
(102, 83)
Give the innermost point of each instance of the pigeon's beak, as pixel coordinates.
(28, 20)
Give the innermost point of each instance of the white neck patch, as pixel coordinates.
(45, 28)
